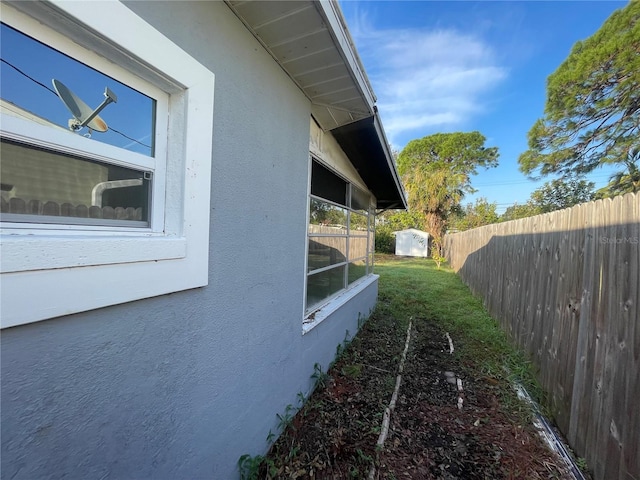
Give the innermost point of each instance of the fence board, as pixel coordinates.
(565, 287)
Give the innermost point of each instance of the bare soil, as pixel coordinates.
(334, 435)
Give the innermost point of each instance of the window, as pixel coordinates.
(341, 222)
(40, 85)
(106, 161)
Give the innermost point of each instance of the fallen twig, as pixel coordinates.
(375, 368)
(392, 404)
(450, 342)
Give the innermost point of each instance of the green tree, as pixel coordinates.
(592, 112)
(401, 220)
(554, 195)
(475, 215)
(436, 171)
(626, 181)
(516, 211)
(562, 193)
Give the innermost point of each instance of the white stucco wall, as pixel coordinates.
(180, 386)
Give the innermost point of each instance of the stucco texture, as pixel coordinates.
(180, 386)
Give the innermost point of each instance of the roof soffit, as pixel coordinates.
(310, 42)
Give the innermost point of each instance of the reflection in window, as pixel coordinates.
(357, 247)
(357, 270)
(52, 185)
(326, 251)
(340, 235)
(327, 215)
(359, 199)
(28, 68)
(358, 222)
(324, 284)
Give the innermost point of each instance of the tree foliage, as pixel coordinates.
(516, 211)
(562, 193)
(436, 171)
(626, 181)
(592, 113)
(554, 195)
(475, 215)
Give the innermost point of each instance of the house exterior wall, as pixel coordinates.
(180, 386)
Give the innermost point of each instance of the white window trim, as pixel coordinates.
(325, 310)
(55, 270)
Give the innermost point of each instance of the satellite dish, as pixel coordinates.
(84, 115)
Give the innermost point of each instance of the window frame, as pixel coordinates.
(310, 318)
(76, 268)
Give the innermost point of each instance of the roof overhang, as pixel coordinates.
(309, 39)
(365, 144)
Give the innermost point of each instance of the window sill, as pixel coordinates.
(316, 317)
(51, 252)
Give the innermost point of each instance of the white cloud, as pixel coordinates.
(426, 80)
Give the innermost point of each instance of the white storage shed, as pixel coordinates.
(412, 242)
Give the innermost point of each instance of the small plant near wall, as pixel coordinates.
(250, 466)
(320, 377)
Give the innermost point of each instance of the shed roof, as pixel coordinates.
(413, 231)
(310, 41)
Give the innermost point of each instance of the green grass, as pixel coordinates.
(415, 287)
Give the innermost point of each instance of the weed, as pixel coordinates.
(293, 451)
(271, 437)
(250, 466)
(363, 456)
(320, 378)
(285, 419)
(582, 464)
(352, 371)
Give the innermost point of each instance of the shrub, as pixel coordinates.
(385, 240)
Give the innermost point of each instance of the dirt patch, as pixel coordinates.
(430, 437)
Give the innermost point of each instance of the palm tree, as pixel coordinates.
(626, 181)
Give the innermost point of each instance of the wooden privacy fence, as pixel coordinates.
(565, 287)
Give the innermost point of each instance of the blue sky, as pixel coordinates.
(462, 66)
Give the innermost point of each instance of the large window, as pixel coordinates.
(106, 157)
(341, 222)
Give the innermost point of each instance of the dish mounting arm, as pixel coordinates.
(109, 97)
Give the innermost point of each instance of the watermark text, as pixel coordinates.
(620, 240)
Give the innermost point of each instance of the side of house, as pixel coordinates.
(163, 344)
